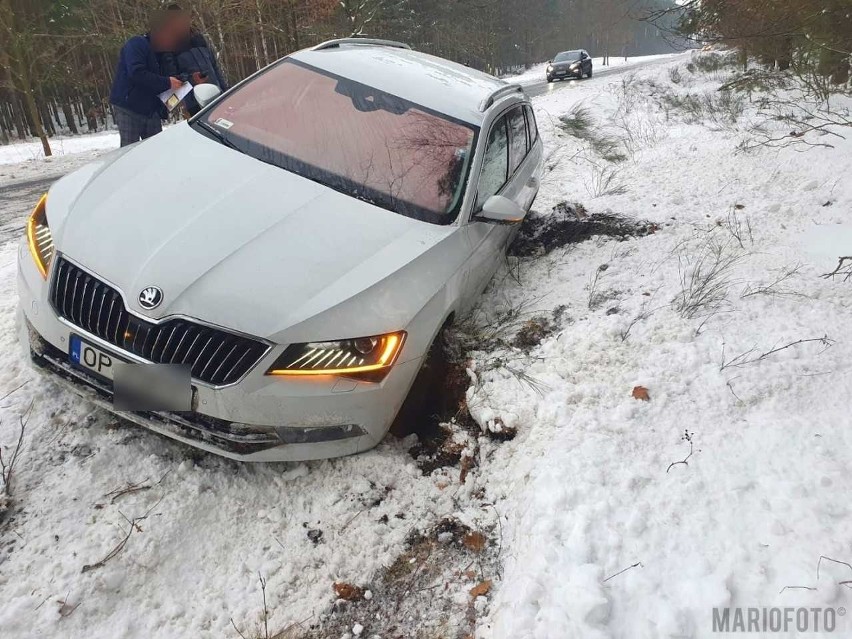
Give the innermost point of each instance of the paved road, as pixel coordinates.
(543, 88)
(16, 201)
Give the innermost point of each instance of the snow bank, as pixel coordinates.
(588, 486)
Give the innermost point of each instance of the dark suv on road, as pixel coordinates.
(570, 64)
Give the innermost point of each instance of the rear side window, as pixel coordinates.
(495, 165)
(518, 130)
(532, 127)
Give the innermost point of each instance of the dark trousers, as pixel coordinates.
(133, 127)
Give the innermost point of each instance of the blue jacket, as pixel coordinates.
(194, 55)
(138, 79)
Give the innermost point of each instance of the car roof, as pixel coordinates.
(441, 85)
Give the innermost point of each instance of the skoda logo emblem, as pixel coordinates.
(150, 298)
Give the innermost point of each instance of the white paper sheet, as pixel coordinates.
(173, 97)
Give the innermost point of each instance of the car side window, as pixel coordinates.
(518, 130)
(532, 127)
(495, 165)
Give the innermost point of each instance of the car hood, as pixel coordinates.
(564, 65)
(246, 245)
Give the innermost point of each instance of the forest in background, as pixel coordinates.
(57, 59)
(811, 38)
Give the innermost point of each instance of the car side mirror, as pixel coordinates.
(502, 210)
(206, 93)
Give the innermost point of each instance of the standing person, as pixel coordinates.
(192, 59)
(135, 94)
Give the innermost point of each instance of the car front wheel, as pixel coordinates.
(427, 395)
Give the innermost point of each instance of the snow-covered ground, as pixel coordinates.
(600, 532)
(588, 482)
(32, 151)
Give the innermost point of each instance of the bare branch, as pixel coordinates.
(7, 469)
(687, 437)
(749, 357)
(638, 564)
(133, 527)
(844, 269)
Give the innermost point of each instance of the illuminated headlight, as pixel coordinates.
(39, 237)
(366, 358)
(549, 68)
(575, 66)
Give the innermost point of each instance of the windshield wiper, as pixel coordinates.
(216, 133)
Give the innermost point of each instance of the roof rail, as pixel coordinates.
(334, 44)
(499, 93)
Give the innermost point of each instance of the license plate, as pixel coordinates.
(137, 387)
(92, 358)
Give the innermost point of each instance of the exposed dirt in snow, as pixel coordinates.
(572, 224)
(435, 589)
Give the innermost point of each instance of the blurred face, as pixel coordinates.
(161, 39)
(174, 30)
(181, 26)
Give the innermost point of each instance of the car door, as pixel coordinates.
(523, 183)
(587, 63)
(509, 169)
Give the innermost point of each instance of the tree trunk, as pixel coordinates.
(32, 109)
(5, 125)
(20, 73)
(294, 29)
(68, 112)
(263, 44)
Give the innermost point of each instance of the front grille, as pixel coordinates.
(214, 356)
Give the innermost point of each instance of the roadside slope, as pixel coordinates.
(629, 518)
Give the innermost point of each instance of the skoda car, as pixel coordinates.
(570, 64)
(296, 249)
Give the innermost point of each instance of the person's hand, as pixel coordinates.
(176, 84)
(199, 78)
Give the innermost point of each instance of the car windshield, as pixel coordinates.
(350, 137)
(567, 56)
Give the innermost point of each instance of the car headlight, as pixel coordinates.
(575, 66)
(365, 358)
(550, 68)
(39, 237)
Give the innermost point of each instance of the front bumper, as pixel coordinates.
(565, 74)
(259, 419)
